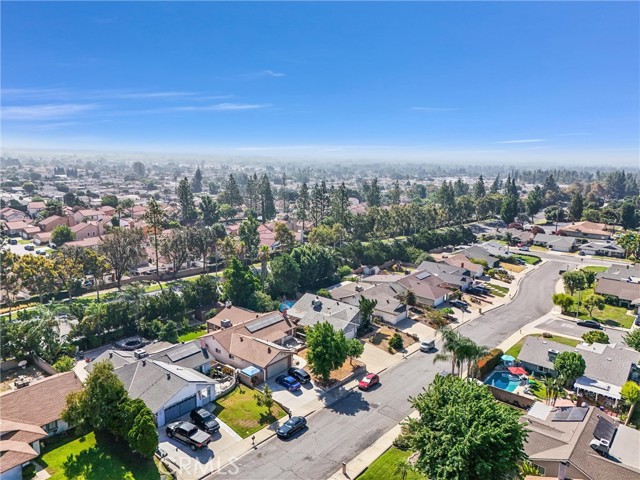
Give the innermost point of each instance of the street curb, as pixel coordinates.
(572, 319)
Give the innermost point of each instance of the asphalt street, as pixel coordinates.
(338, 433)
(572, 329)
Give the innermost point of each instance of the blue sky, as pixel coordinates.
(467, 81)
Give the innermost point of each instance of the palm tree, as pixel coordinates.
(402, 469)
(263, 256)
(508, 237)
(472, 354)
(450, 348)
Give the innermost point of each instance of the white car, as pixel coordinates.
(524, 249)
(427, 345)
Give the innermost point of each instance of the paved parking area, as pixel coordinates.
(294, 400)
(377, 359)
(424, 332)
(193, 465)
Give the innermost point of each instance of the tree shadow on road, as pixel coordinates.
(351, 404)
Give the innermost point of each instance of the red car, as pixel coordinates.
(369, 381)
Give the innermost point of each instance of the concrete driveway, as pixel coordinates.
(377, 359)
(424, 332)
(293, 401)
(193, 465)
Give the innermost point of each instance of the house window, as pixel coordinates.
(51, 427)
(541, 470)
(231, 356)
(218, 350)
(543, 369)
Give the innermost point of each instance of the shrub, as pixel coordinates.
(595, 336)
(344, 271)
(489, 362)
(547, 335)
(323, 292)
(396, 342)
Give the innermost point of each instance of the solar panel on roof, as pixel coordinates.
(263, 323)
(570, 414)
(604, 430)
(183, 352)
(423, 275)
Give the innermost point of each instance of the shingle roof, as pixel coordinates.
(41, 402)
(427, 287)
(623, 290)
(14, 453)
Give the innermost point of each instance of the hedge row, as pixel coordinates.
(489, 362)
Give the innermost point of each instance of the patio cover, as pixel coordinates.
(596, 386)
(517, 371)
(250, 371)
(507, 359)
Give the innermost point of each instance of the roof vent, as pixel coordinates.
(140, 353)
(225, 323)
(110, 354)
(241, 338)
(268, 349)
(144, 363)
(168, 376)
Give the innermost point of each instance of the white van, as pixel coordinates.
(427, 345)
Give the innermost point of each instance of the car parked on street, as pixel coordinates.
(299, 374)
(590, 324)
(427, 345)
(29, 247)
(204, 420)
(291, 426)
(369, 381)
(188, 434)
(288, 382)
(523, 248)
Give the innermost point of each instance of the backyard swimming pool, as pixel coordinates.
(287, 304)
(503, 380)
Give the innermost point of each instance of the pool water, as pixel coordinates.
(286, 304)
(503, 380)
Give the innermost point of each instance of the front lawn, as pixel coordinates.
(497, 290)
(529, 259)
(596, 269)
(385, 467)
(193, 334)
(610, 315)
(240, 411)
(94, 456)
(514, 351)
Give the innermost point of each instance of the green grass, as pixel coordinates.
(95, 456)
(384, 467)
(24, 242)
(240, 411)
(514, 351)
(497, 290)
(610, 315)
(186, 337)
(538, 248)
(529, 259)
(594, 269)
(538, 389)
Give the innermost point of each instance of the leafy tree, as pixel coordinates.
(594, 301)
(496, 186)
(509, 208)
(267, 203)
(264, 398)
(143, 436)
(372, 193)
(317, 266)
(629, 216)
(302, 205)
(595, 336)
(366, 307)
(574, 280)
(284, 276)
(261, 302)
(210, 210)
(589, 277)
(227, 211)
(396, 342)
(240, 284)
(36, 273)
(203, 241)
(196, 182)
(326, 349)
(632, 339)
(631, 396)
(323, 292)
(69, 199)
(631, 244)
(339, 204)
(64, 364)
(355, 349)
(122, 249)
(93, 264)
(175, 249)
(576, 207)
(569, 365)
(29, 187)
(139, 169)
(155, 218)
(395, 193)
(187, 206)
(52, 207)
(231, 193)
(168, 332)
(201, 293)
(409, 298)
(9, 279)
(479, 189)
(109, 201)
(533, 202)
(98, 405)
(488, 436)
(564, 301)
(249, 237)
(284, 236)
(68, 270)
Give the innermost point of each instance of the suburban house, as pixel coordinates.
(88, 214)
(588, 230)
(519, 236)
(608, 366)
(86, 230)
(602, 249)
(463, 260)
(15, 228)
(389, 307)
(29, 415)
(92, 242)
(29, 231)
(311, 309)
(561, 442)
(427, 288)
(621, 282)
(453, 277)
(496, 249)
(555, 242)
(230, 315)
(259, 343)
(34, 208)
(53, 221)
(42, 238)
(9, 214)
(168, 380)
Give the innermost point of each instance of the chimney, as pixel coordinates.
(144, 363)
(268, 349)
(562, 470)
(241, 339)
(168, 376)
(110, 354)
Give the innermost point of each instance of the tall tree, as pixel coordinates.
(395, 194)
(187, 205)
(252, 198)
(373, 195)
(326, 349)
(488, 435)
(569, 366)
(631, 396)
(155, 218)
(239, 283)
(479, 189)
(263, 256)
(143, 436)
(284, 194)
(340, 204)
(139, 169)
(533, 202)
(37, 274)
(68, 270)
(284, 236)
(576, 207)
(574, 280)
(509, 209)
(267, 203)
(175, 249)
(496, 186)
(303, 205)
(210, 210)
(123, 250)
(61, 235)
(231, 193)
(366, 308)
(249, 237)
(284, 277)
(196, 182)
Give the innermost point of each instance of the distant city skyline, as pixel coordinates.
(547, 83)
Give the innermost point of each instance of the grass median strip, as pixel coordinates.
(385, 467)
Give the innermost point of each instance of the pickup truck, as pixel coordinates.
(188, 434)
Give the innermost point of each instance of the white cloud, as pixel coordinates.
(220, 107)
(527, 140)
(433, 109)
(155, 95)
(265, 74)
(44, 112)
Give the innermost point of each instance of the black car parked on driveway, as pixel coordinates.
(204, 420)
(188, 434)
(291, 426)
(299, 374)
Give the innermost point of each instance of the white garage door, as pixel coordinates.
(278, 367)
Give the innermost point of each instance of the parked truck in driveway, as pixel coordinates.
(188, 434)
